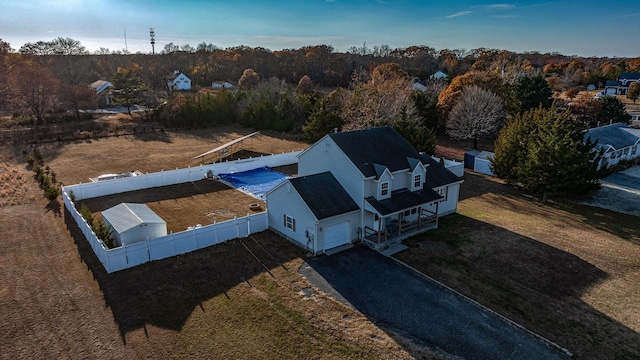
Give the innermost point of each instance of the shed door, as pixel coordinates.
(336, 235)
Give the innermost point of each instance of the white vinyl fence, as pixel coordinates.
(175, 243)
(177, 176)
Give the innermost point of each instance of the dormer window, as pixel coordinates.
(417, 181)
(384, 189)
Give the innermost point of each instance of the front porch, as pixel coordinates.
(397, 228)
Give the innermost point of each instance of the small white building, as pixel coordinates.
(178, 81)
(102, 88)
(132, 223)
(221, 85)
(439, 75)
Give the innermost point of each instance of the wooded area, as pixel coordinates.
(310, 90)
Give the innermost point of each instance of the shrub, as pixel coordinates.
(52, 192)
(103, 232)
(72, 196)
(30, 160)
(87, 215)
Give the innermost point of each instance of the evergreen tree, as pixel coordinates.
(128, 86)
(532, 92)
(545, 153)
(612, 110)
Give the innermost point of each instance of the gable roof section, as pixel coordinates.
(629, 76)
(438, 175)
(383, 146)
(324, 195)
(402, 199)
(613, 135)
(125, 216)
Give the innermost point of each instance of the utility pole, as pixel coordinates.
(152, 34)
(126, 48)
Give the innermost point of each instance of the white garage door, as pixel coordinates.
(611, 91)
(336, 235)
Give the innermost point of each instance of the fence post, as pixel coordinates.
(248, 224)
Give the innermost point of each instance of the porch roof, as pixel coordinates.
(403, 199)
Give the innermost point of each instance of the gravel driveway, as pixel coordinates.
(395, 297)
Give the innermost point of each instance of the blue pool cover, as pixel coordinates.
(256, 182)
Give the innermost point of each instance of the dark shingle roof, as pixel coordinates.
(613, 135)
(629, 75)
(437, 175)
(324, 195)
(402, 199)
(383, 146)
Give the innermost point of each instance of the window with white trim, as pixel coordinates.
(417, 180)
(289, 222)
(443, 192)
(384, 189)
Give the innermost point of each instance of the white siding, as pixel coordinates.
(142, 232)
(451, 205)
(325, 155)
(285, 200)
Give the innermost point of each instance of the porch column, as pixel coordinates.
(399, 224)
(437, 217)
(419, 216)
(379, 227)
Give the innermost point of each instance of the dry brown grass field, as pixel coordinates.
(568, 272)
(243, 299)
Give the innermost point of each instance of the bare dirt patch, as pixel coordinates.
(568, 272)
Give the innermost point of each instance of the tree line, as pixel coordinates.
(314, 90)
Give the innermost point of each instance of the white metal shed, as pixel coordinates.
(132, 223)
(482, 163)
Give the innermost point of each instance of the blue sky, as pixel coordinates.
(585, 28)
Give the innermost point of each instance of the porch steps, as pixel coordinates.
(394, 249)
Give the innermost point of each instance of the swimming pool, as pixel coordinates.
(256, 182)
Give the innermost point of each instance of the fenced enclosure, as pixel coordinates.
(177, 176)
(195, 238)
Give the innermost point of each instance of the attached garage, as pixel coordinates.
(314, 211)
(336, 235)
(131, 223)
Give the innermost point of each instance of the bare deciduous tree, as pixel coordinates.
(35, 88)
(478, 114)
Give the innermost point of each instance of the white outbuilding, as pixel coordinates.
(131, 223)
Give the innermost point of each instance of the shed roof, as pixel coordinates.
(324, 195)
(125, 216)
(614, 135)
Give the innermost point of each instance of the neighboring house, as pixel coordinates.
(635, 119)
(221, 85)
(439, 75)
(132, 223)
(621, 86)
(619, 141)
(417, 86)
(102, 89)
(178, 81)
(364, 185)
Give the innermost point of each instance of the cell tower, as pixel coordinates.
(152, 34)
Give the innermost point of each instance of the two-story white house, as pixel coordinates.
(178, 81)
(365, 185)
